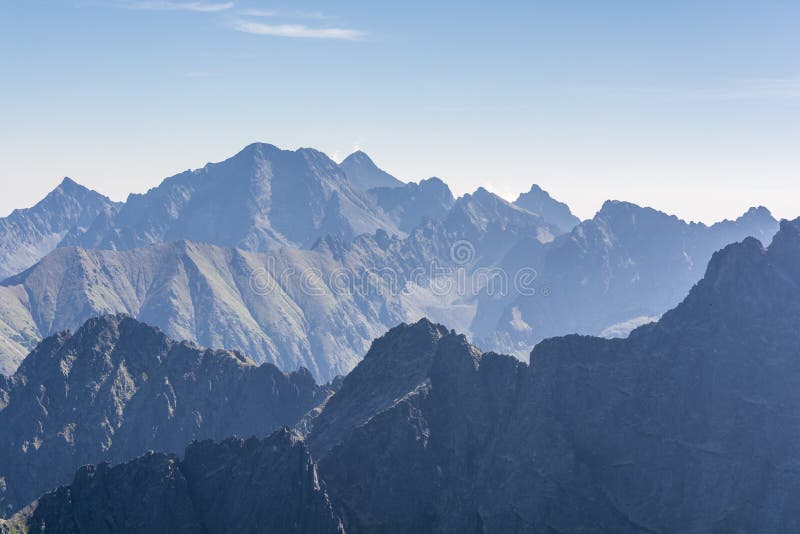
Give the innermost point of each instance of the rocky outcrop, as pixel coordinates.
(248, 486)
(117, 388)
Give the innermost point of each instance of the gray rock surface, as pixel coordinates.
(117, 388)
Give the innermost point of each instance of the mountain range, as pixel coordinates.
(687, 425)
(208, 294)
(624, 267)
(419, 252)
(260, 199)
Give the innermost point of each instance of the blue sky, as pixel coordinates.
(692, 107)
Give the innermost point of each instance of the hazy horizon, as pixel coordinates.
(510, 196)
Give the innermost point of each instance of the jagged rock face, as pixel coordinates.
(625, 264)
(396, 364)
(689, 425)
(117, 388)
(409, 205)
(540, 202)
(260, 199)
(251, 486)
(493, 224)
(363, 174)
(27, 235)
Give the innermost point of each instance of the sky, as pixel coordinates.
(691, 107)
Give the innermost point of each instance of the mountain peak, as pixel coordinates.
(69, 183)
(364, 174)
(359, 156)
(539, 201)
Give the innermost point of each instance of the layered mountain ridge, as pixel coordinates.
(688, 425)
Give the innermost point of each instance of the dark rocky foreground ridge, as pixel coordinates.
(247, 486)
(688, 425)
(117, 388)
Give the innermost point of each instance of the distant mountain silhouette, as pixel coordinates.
(260, 199)
(29, 234)
(627, 264)
(539, 201)
(364, 174)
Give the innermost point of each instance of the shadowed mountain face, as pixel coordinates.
(689, 425)
(247, 486)
(409, 205)
(628, 264)
(29, 234)
(117, 388)
(539, 201)
(262, 198)
(363, 174)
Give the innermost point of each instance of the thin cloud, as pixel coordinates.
(275, 13)
(298, 31)
(199, 7)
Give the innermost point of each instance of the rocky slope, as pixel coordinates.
(364, 174)
(540, 202)
(689, 425)
(260, 199)
(409, 205)
(27, 235)
(318, 309)
(247, 486)
(117, 388)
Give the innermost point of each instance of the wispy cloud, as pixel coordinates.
(300, 31)
(160, 5)
(277, 13)
(756, 88)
